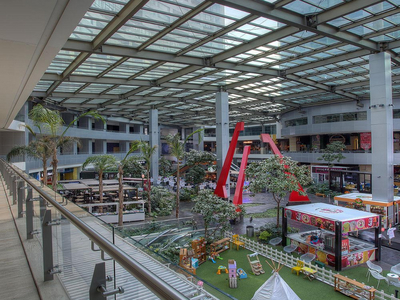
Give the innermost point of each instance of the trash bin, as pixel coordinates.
(250, 231)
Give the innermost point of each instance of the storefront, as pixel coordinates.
(389, 211)
(331, 233)
(320, 174)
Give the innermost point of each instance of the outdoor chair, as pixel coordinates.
(235, 241)
(289, 248)
(378, 276)
(308, 257)
(297, 268)
(395, 269)
(372, 267)
(275, 241)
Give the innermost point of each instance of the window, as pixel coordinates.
(296, 122)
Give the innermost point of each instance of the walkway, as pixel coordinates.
(16, 280)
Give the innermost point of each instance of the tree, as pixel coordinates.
(194, 157)
(195, 175)
(134, 147)
(133, 167)
(165, 167)
(146, 153)
(101, 163)
(333, 152)
(214, 210)
(177, 149)
(50, 122)
(38, 149)
(280, 176)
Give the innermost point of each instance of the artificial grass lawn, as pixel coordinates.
(304, 288)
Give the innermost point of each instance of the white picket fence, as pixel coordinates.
(325, 275)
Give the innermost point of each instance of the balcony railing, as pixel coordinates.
(82, 250)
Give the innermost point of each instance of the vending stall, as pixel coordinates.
(389, 211)
(332, 233)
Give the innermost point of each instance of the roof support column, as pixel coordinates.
(154, 135)
(222, 118)
(198, 143)
(381, 108)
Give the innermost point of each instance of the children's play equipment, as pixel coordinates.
(199, 250)
(222, 268)
(275, 288)
(220, 246)
(185, 260)
(255, 264)
(241, 273)
(235, 241)
(232, 274)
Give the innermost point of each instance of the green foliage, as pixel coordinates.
(321, 188)
(333, 152)
(270, 231)
(186, 194)
(195, 175)
(279, 175)
(132, 167)
(162, 201)
(194, 157)
(215, 211)
(165, 167)
(101, 163)
(265, 236)
(171, 252)
(269, 213)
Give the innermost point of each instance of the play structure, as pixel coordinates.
(241, 273)
(232, 274)
(185, 260)
(223, 269)
(220, 246)
(275, 288)
(199, 250)
(255, 264)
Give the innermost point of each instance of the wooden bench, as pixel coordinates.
(320, 195)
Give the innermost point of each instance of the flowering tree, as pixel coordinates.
(215, 211)
(280, 176)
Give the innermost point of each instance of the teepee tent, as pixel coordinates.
(275, 288)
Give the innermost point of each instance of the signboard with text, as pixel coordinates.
(365, 140)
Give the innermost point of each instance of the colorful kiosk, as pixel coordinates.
(389, 211)
(331, 233)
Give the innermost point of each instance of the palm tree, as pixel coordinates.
(134, 147)
(147, 152)
(177, 149)
(39, 149)
(100, 164)
(50, 122)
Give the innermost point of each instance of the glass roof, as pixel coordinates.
(175, 55)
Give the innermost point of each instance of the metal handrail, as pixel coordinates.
(153, 283)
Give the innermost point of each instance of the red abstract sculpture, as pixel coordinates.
(294, 195)
(238, 198)
(220, 189)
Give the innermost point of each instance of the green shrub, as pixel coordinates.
(265, 236)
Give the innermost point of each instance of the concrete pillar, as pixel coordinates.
(279, 130)
(104, 149)
(222, 131)
(90, 146)
(154, 136)
(141, 130)
(75, 148)
(381, 107)
(198, 140)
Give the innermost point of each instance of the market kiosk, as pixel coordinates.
(389, 211)
(331, 233)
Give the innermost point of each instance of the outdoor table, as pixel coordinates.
(309, 273)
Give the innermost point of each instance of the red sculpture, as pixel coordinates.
(238, 198)
(294, 195)
(220, 189)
